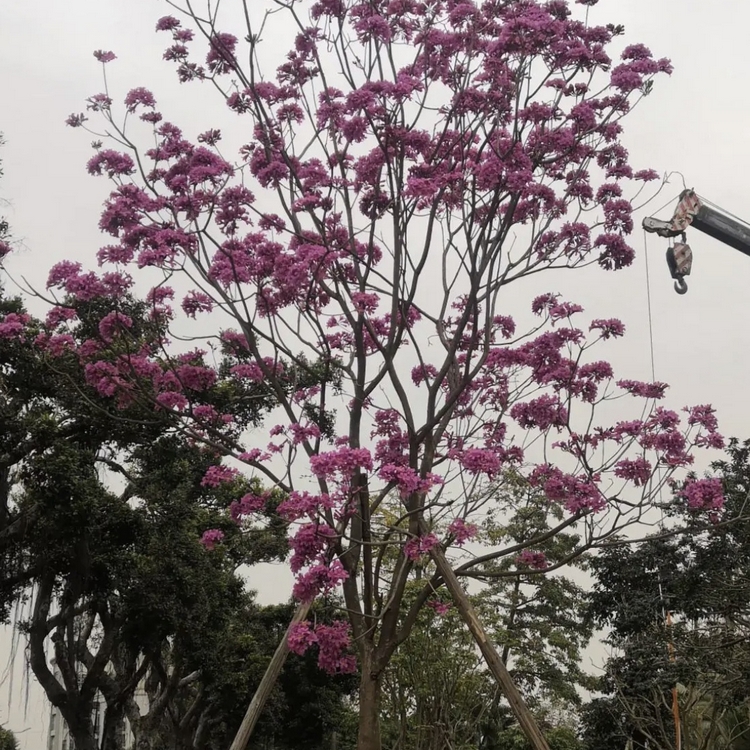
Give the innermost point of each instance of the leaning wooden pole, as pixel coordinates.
(492, 657)
(257, 704)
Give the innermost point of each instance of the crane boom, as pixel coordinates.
(724, 228)
(711, 220)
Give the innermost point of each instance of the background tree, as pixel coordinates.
(437, 692)
(8, 740)
(699, 580)
(539, 608)
(111, 573)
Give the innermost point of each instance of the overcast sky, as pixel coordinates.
(695, 122)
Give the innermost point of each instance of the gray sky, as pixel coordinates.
(694, 122)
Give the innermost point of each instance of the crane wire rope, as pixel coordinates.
(665, 612)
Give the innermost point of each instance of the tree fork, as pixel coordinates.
(494, 662)
(258, 702)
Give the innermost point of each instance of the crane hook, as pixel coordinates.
(680, 262)
(680, 286)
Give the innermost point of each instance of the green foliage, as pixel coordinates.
(558, 738)
(698, 576)
(8, 740)
(539, 617)
(102, 510)
(437, 692)
(307, 705)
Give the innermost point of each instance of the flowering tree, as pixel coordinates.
(403, 165)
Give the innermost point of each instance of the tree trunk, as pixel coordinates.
(368, 737)
(113, 732)
(494, 662)
(83, 737)
(255, 709)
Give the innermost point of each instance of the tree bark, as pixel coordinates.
(113, 732)
(255, 709)
(494, 662)
(368, 737)
(83, 736)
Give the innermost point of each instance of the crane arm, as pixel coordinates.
(724, 228)
(711, 220)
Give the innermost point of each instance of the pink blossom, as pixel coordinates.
(644, 390)
(246, 506)
(505, 325)
(344, 461)
(98, 103)
(160, 294)
(254, 454)
(461, 531)
(235, 340)
(172, 400)
(114, 254)
(646, 175)
(618, 216)
(481, 461)
(220, 58)
(112, 162)
(408, 480)
(112, 324)
(576, 493)
(421, 373)
(334, 642)
(418, 546)
(303, 504)
(195, 302)
(440, 608)
(301, 433)
(704, 494)
(210, 138)
(89, 348)
(211, 538)
(704, 415)
(139, 97)
(319, 578)
(596, 371)
(76, 120)
(536, 560)
(61, 272)
(58, 345)
(636, 470)
(104, 57)
(308, 542)
(167, 23)
(610, 328)
(331, 8)
(301, 636)
(615, 252)
(196, 377)
(249, 370)
(543, 302)
(218, 475)
(106, 379)
(12, 325)
(543, 412)
(365, 302)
